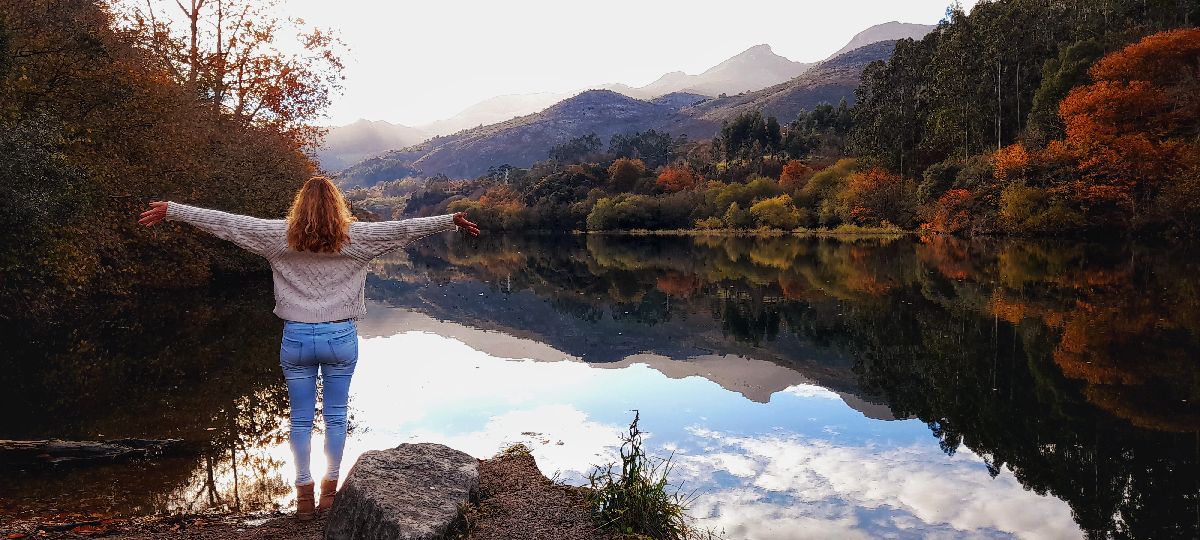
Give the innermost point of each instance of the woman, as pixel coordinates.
(318, 257)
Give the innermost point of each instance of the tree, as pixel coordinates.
(749, 135)
(624, 173)
(795, 175)
(1134, 129)
(652, 147)
(776, 213)
(579, 149)
(677, 178)
(228, 51)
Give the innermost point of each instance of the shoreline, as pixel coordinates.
(515, 500)
(842, 231)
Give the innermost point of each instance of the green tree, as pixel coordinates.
(776, 213)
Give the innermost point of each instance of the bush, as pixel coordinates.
(624, 173)
(709, 223)
(737, 218)
(875, 196)
(776, 213)
(635, 499)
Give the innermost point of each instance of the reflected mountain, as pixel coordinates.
(1073, 366)
(1071, 369)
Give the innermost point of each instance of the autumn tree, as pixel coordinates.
(624, 173)
(795, 175)
(677, 178)
(875, 196)
(1134, 128)
(776, 213)
(230, 52)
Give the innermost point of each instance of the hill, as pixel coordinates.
(889, 31)
(522, 141)
(752, 69)
(346, 145)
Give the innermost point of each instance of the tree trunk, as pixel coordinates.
(58, 451)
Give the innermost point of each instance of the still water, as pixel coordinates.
(806, 388)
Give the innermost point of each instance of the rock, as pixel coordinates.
(412, 491)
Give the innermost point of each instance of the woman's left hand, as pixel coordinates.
(156, 213)
(460, 221)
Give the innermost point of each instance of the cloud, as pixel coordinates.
(785, 482)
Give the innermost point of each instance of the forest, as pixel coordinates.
(104, 107)
(1020, 118)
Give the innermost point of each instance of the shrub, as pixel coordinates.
(710, 223)
(624, 173)
(795, 175)
(677, 178)
(776, 213)
(636, 498)
(874, 196)
(737, 218)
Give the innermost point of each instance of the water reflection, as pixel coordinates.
(882, 387)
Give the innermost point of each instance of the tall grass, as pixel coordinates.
(634, 496)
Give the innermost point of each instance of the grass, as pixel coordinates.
(635, 498)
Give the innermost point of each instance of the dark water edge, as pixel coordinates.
(1075, 366)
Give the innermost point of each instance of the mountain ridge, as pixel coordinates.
(524, 140)
(738, 83)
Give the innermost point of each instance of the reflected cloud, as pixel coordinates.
(785, 482)
(832, 475)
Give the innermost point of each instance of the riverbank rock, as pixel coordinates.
(409, 492)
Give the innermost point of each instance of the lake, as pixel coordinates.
(804, 387)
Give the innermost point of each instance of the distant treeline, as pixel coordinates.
(1024, 117)
(104, 107)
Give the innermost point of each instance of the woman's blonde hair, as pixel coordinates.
(319, 220)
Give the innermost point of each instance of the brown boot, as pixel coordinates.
(328, 490)
(304, 502)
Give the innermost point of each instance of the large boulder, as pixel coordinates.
(412, 492)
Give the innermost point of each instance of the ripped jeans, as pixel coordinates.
(331, 347)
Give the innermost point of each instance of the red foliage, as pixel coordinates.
(795, 175)
(952, 212)
(1133, 129)
(677, 178)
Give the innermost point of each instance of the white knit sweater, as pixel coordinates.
(312, 287)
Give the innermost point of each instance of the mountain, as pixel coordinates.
(889, 31)
(522, 141)
(493, 110)
(827, 82)
(751, 69)
(765, 80)
(759, 67)
(352, 143)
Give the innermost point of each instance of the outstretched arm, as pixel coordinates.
(381, 237)
(259, 236)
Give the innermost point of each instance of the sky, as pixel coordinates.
(413, 62)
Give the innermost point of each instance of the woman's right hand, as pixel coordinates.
(460, 221)
(156, 213)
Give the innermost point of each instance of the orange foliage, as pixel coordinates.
(678, 284)
(1010, 162)
(952, 212)
(795, 175)
(875, 195)
(1133, 129)
(677, 178)
(500, 196)
(948, 255)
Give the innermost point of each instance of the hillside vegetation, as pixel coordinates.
(104, 110)
(1019, 118)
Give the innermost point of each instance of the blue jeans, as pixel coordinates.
(331, 347)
